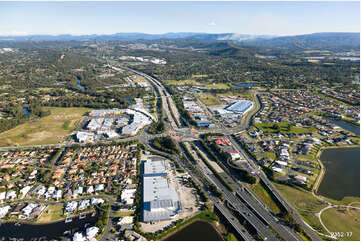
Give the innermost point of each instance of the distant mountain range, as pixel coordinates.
(308, 41)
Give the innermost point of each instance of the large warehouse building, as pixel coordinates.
(241, 106)
(160, 201)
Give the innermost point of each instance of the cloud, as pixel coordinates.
(212, 23)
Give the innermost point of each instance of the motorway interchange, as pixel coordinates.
(239, 204)
(242, 201)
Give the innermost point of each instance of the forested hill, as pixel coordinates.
(316, 41)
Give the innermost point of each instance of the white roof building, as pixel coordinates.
(91, 232)
(95, 200)
(78, 237)
(99, 187)
(276, 169)
(90, 189)
(57, 194)
(84, 204)
(11, 195)
(29, 208)
(281, 163)
(127, 196)
(4, 211)
(125, 220)
(25, 191)
(78, 191)
(84, 136)
(41, 191)
(71, 206)
(2, 195)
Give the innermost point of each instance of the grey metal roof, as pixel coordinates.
(160, 201)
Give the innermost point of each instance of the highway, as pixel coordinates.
(274, 190)
(237, 205)
(243, 202)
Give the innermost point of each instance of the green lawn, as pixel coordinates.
(217, 86)
(47, 130)
(282, 128)
(264, 196)
(343, 220)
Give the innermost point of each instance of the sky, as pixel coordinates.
(265, 18)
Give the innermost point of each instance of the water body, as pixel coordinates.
(347, 126)
(244, 85)
(26, 111)
(52, 231)
(128, 99)
(80, 86)
(197, 231)
(342, 177)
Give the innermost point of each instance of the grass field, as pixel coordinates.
(122, 214)
(263, 195)
(308, 205)
(199, 76)
(217, 86)
(48, 130)
(267, 128)
(343, 220)
(55, 213)
(305, 203)
(209, 99)
(269, 155)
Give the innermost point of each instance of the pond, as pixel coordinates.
(197, 231)
(342, 177)
(26, 111)
(244, 85)
(51, 231)
(80, 86)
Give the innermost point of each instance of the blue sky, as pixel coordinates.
(271, 18)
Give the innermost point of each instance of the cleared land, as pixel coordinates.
(209, 99)
(48, 130)
(51, 213)
(343, 220)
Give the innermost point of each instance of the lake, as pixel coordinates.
(342, 177)
(347, 126)
(52, 231)
(197, 231)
